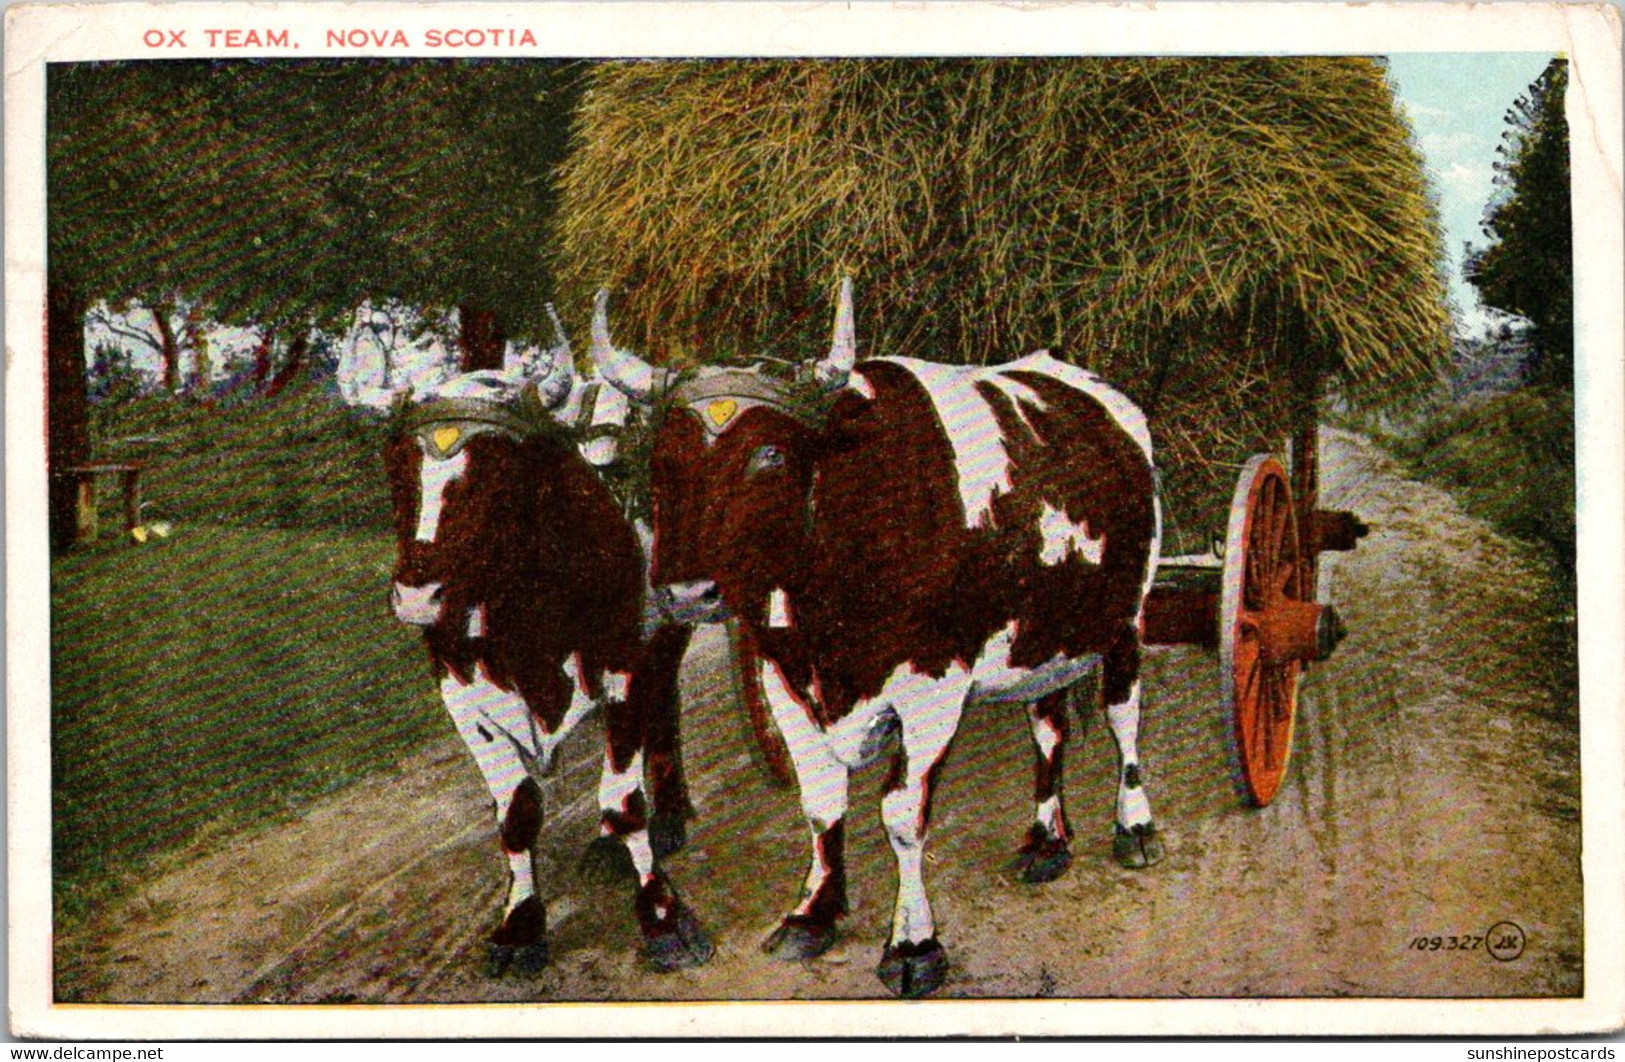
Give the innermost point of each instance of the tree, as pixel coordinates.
(280, 195)
(1527, 268)
(440, 172)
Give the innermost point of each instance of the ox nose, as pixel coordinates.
(699, 601)
(417, 605)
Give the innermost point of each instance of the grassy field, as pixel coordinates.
(229, 674)
(1509, 458)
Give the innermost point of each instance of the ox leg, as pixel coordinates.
(914, 964)
(1134, 834)
(673, 937)
(656, 683)
(809, 930)
(496, 727)
(520, 942)
(1046, 852)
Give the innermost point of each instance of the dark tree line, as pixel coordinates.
(280, 195)
(1526, 269)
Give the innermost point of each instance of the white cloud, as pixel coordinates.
(1423, 110)
(1465, 178)
(1452, 145)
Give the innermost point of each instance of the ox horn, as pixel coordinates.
(626, 371)
(836, 367)
(560, 379)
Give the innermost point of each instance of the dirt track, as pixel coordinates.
(1434, 791)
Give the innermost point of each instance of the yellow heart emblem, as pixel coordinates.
(446, 438)
(721, 411)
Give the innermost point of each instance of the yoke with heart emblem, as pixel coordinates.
(718, 398)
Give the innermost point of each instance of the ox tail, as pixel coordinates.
(769, 743)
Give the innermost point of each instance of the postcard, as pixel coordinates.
(777, 519)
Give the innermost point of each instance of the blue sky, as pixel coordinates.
(1457, 103)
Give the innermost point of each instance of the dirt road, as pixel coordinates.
(1434, 791)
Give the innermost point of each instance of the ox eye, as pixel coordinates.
(765, 457)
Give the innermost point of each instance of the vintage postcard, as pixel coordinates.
(788, 519)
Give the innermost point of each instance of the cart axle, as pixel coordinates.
(1336, 531)
(1296, 631)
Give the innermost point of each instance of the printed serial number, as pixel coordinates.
(1446, 943)
(1503, 942)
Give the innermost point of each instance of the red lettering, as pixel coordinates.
(360, 38)
(236, 38)
(479, 38)
(157, 38)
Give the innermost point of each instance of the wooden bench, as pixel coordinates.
(84, 477)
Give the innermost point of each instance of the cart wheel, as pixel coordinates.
(1261, 616)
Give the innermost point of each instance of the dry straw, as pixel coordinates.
(1217, 237)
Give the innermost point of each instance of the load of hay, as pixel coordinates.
(1216, 237)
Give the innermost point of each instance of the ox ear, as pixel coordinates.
(631, 375)
(832, 372)
(556, 383)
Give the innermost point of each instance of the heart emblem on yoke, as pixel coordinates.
(445, 438)
(721, 411)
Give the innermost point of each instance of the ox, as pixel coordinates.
(531, 588)
(902, 540)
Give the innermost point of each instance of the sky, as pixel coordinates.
(1457, 103)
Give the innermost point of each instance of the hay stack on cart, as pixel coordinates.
(1219, 238)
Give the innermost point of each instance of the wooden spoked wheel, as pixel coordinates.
(1262, 618)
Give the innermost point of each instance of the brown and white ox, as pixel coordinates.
(531, 588)
(904, 540)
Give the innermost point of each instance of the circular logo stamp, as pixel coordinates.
(1505, 941)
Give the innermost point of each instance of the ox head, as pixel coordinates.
(731, 471)
(462, 460)
(456, 473)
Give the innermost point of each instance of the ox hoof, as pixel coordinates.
(1137, 847)
(1043, 858)
(678, 943)
(667, 834)
(912, 970)
(799, 937)
(520, 943)
(606, 862)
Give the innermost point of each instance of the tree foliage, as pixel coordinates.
(1527, 267)
(275, 192)
(281, 195)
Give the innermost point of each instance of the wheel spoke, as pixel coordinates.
(1266, 527)
(1277, 534)
(1284, 694)
(1283, 576)
(1261, 728)
(1261, 535)
(1248, 693)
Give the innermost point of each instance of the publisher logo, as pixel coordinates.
(1505, 941)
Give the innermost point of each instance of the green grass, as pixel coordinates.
(219, 679)
(1508, 458)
